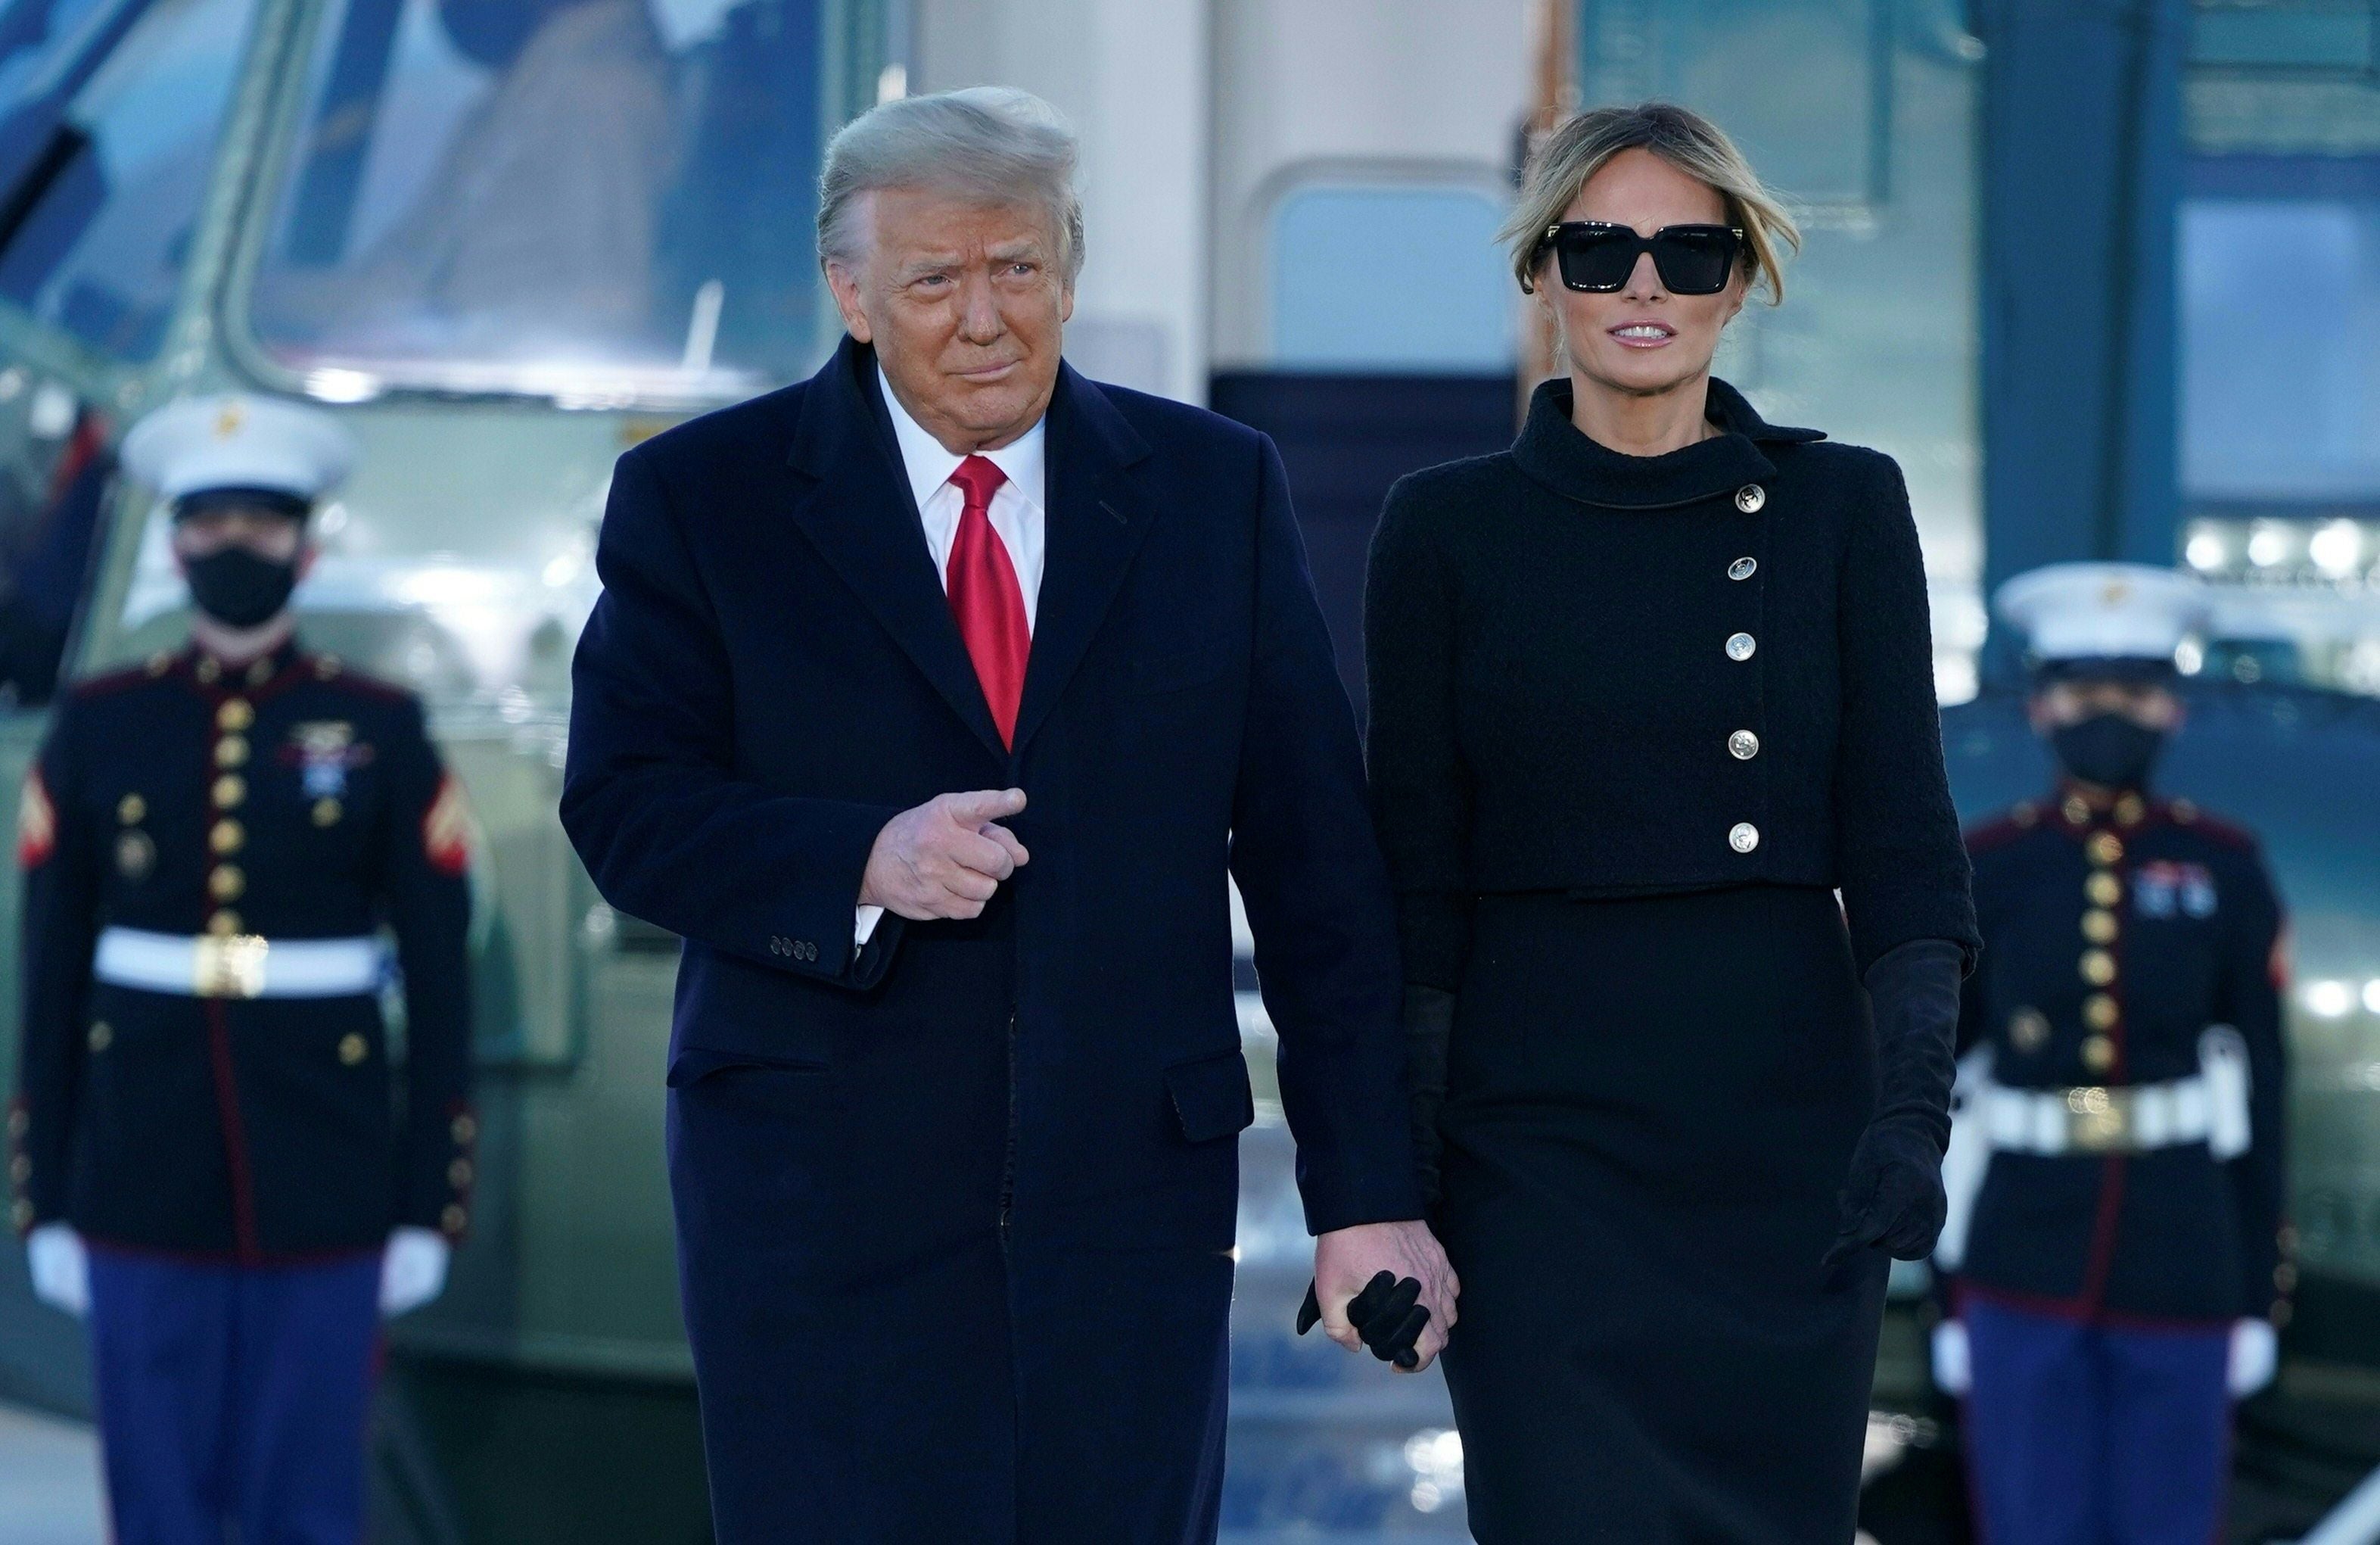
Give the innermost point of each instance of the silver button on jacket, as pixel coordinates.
(1740, 647)
(1743, 836)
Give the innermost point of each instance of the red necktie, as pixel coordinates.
(985, 597)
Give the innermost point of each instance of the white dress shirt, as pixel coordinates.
(1016, 515)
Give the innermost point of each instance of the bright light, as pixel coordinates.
(2268, 544)
(2207, 551)
(2372, 996)
(340, 385)
(2336, 548)
(2329, 1000)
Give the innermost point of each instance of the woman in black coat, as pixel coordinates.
(1647, 690)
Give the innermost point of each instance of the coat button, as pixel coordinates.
(225, 883)
(102, 1035)
(2099, 926)
(2098, 1053)
(2105, 890)
(222, 922)
(227, 836)
(352, 1049)
(458, 1174)
(230, 751)
(1743, 836)
(1744, 744)
(1739, 646)
(327, 811)
(2106, 849)
(2028, 1030)
(1750, 498)
(2098, 967)
(1744, 568)
(235, 715)
(21, 1214)
(230, 789)
(2099, 1011)
(452, 1219)
(463, 1129)
(131, 808)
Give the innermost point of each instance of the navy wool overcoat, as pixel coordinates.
(955, 1209)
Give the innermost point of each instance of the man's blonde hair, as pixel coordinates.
(1576, 151)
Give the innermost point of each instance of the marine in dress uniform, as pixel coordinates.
(2123, 1272)
(211, 1152)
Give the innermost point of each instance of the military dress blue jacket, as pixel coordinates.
(2116, 933)
(289, 799)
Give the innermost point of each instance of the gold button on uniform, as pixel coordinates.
(223, 923)
(227, 836)
(229, 790)
(2099, 927)
(18, 1121)
(131, 808)
(1739, 646)
(2106, 849)
(260, 672)
(20, 1169)
(2105, 890)
(208, 669)
(352, 1049)
(2099, 1011)
(2028, 1030)
(327, 812)
(235, 715)
(1744, 744)
(452, 1219)
(1743, 836)
(463, 1129)
(2075, 810)
(225, 883)
(2129, 809)
(231, 751)
(102, 1035)
(2098, 1053)
(2098, 967)
(459, 1174)
(21, 1214)
(1750, 498)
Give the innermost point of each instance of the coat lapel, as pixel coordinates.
(859, 512)
(1094, 527)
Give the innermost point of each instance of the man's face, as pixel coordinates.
(2061, 703)
(270, 534)
(966, 304)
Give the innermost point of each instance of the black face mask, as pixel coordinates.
(237, 588)
(2107, 750)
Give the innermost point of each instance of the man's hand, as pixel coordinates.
(1345, 1259)
(60, 1268)
(946, 857)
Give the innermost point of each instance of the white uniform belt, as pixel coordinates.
(2124, 1119)
(238, 964)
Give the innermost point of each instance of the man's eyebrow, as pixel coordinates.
(928, 263)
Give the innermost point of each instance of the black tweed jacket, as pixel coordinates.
(1604, 674)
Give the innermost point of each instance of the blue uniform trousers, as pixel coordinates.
(2089, 1434)
(233, 1394)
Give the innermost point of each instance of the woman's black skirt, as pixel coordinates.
(1651, 1108)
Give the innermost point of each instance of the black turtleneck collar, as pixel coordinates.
(1552, 451)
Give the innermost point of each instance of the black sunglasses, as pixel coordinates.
(1692, 260)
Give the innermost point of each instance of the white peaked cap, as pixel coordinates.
(239, 441)
(2103, 611)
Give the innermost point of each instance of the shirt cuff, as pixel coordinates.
(865, 925)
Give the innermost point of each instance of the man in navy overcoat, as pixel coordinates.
(931, 701)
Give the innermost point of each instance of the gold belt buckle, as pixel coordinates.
(2098, 1119)
(230, 966)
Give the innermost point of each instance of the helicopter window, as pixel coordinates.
(108, 117)
(598, 200)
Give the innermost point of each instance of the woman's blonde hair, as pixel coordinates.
(1576, 151)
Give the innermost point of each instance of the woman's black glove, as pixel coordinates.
(1388, 1315)
(1894, 1196)
(1430, 1025)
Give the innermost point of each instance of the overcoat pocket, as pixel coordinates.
(1211, 1094)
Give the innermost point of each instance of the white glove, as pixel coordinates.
(413, 1269)
(1953, 1368)
(2255, 1355)
(60, 1268)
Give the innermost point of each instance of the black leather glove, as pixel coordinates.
(1430, 1025)
(1894, 1195)
(1388, 1315)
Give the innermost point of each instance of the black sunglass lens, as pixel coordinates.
(1693, 262)
(1595, 259)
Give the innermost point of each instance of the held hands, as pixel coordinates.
(60, 1268)
(412, 1270)
(1348, 1266)
(1894, 1198)
(946, 857)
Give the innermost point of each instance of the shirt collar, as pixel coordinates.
(929, 465)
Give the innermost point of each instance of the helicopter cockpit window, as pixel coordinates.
(108, 117)
(587, 199)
